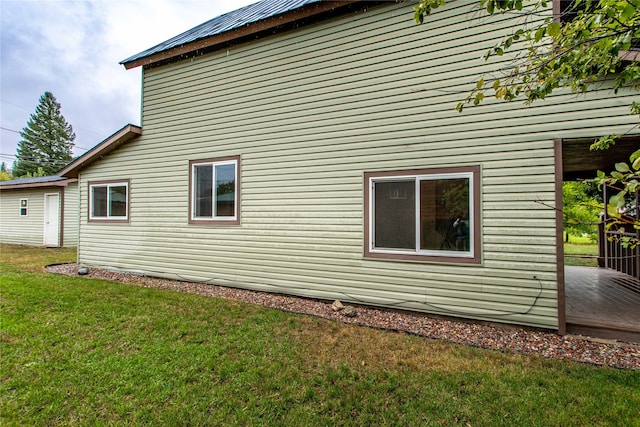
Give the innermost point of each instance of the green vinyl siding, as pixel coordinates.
(22, 230)
(309, 111)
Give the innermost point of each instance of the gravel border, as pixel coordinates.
(508, 338)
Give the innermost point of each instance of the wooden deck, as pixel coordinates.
(602, 303)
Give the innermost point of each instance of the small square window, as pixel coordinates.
(109, 201)
(24, 207)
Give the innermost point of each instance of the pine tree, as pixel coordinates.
(47, 140)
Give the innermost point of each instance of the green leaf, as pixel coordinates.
(617, 175)
(480, 84)
(539, 34)
(618, 200)
(627, 12)
(622, 167)
(490, 7)
(612, 211)
(553, 29)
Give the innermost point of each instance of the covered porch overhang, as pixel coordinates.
(580, 162)
(591, 300)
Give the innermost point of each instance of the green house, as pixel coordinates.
(313, 148)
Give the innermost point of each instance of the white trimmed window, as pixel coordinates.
(109, 201)
(214, 191)
(24, 207)
(423, 215)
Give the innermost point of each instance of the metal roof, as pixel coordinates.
(35, 180)
(229, 21)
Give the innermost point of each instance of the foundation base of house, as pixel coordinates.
(603, 330)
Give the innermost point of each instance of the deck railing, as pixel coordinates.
(612, 254)
(619, 258)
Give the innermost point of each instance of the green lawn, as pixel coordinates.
(76, 351)
(577, 246)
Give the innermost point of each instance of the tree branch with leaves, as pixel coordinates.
(549, 54)
(584, 43)
(622, 220)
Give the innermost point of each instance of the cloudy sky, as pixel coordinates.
(72, 48)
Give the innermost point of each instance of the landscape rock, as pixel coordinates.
(337, 306)
(350, 311)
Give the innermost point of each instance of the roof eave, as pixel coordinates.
(61, 183)
(123, 135)
(239, 33)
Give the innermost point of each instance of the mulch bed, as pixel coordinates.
(503, 338)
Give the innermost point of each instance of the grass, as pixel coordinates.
(31, 259)
(76, 351)
(580, 246)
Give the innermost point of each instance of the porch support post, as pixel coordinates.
(562, 319)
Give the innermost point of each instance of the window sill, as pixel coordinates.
(233, 222)
(423, 258)
(108, 221)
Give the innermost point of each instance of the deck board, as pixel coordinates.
(599, 298)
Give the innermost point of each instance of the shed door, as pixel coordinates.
(51, 219)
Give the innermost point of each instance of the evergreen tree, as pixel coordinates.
(47, 140)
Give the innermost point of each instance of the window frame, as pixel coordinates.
(214, 220)
(24, 206)
(108, 184)
(473, 256)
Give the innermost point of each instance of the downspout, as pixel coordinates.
(79, 220)
(62, 195)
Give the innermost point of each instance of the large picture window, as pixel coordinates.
(109, 201)
(214, 191)
(423, 215)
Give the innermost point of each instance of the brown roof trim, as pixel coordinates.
(111, 143)
(61, 183)
(249, 30)
(579, 161)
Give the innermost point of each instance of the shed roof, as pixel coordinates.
(248, 20)
(121, 136)
(38, 181)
